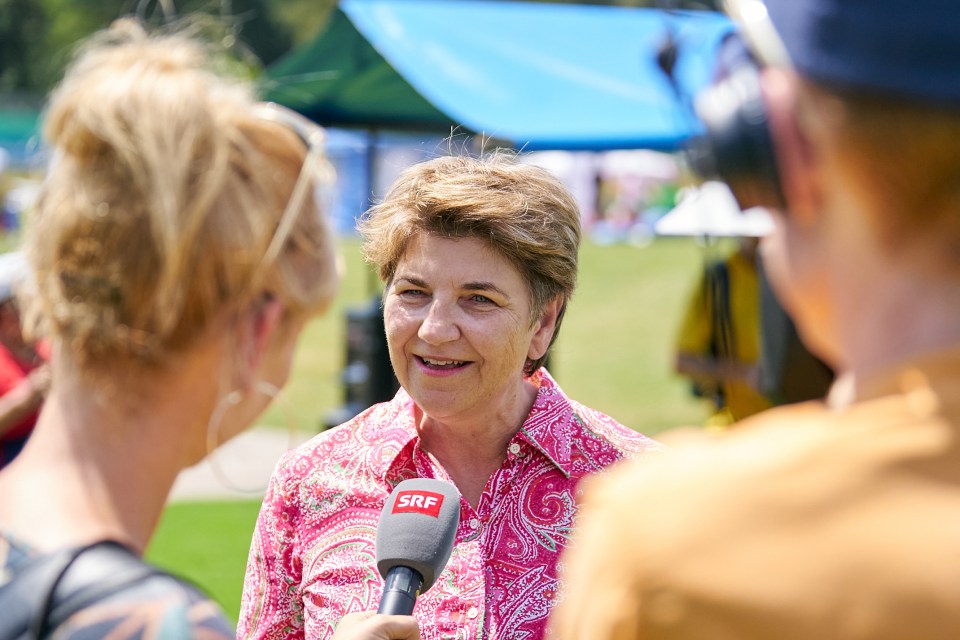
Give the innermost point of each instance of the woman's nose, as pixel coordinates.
(439, 325)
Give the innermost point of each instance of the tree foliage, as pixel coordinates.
(37, 37)
(22, 24)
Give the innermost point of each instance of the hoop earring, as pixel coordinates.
(227, 402)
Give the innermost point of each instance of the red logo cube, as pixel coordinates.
(427, 503)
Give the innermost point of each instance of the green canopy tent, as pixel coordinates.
(533, 76)
(339, 79)
(536, 75)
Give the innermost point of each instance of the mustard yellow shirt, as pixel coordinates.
(810, 521)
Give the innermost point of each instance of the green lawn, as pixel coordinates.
(207, 543)
(614, 353)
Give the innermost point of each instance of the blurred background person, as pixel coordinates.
(836, 520)
(718, 344)
(479, 261)
(24, 375)
(739, 347)
(736, 343)
(176, 254)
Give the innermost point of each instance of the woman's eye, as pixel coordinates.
(410, 293)
(481, 299)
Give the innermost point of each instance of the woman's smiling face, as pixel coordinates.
(460, 327)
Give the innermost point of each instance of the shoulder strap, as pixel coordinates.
(98, 572)
(50, 588)
(28, 588)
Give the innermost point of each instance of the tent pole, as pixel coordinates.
(372, 161)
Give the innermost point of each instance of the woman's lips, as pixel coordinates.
(440, 365)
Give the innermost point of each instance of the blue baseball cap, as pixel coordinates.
(907, 48)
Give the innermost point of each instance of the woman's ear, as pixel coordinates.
(545, 327)
(794, 150)
(258, 328)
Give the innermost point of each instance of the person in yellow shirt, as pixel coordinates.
(836, 520)
(718, 345)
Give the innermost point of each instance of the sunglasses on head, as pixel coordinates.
(315, 173)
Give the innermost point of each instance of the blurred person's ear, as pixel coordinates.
(795, 152)
(260, 326)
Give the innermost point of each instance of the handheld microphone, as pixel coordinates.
(415, 537)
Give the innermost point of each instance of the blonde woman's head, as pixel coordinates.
(166, 189)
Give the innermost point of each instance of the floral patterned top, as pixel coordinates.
(313, 554)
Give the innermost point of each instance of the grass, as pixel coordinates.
(614, 353)
(207, 543)
(615, 350)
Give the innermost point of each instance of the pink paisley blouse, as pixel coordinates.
(312, 559)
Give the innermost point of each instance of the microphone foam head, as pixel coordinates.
(418, 526)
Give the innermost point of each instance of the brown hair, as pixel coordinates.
(520, 210)
(163, 195)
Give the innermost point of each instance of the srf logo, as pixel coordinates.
(426, 502)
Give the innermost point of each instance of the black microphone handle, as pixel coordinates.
(400, 590)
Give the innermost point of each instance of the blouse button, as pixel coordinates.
(514, 448)
(472, 612)
(474, 523)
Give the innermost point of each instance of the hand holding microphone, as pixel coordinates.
(415, 536)
(366, 625)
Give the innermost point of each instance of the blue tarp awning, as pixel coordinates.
(536, 75)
